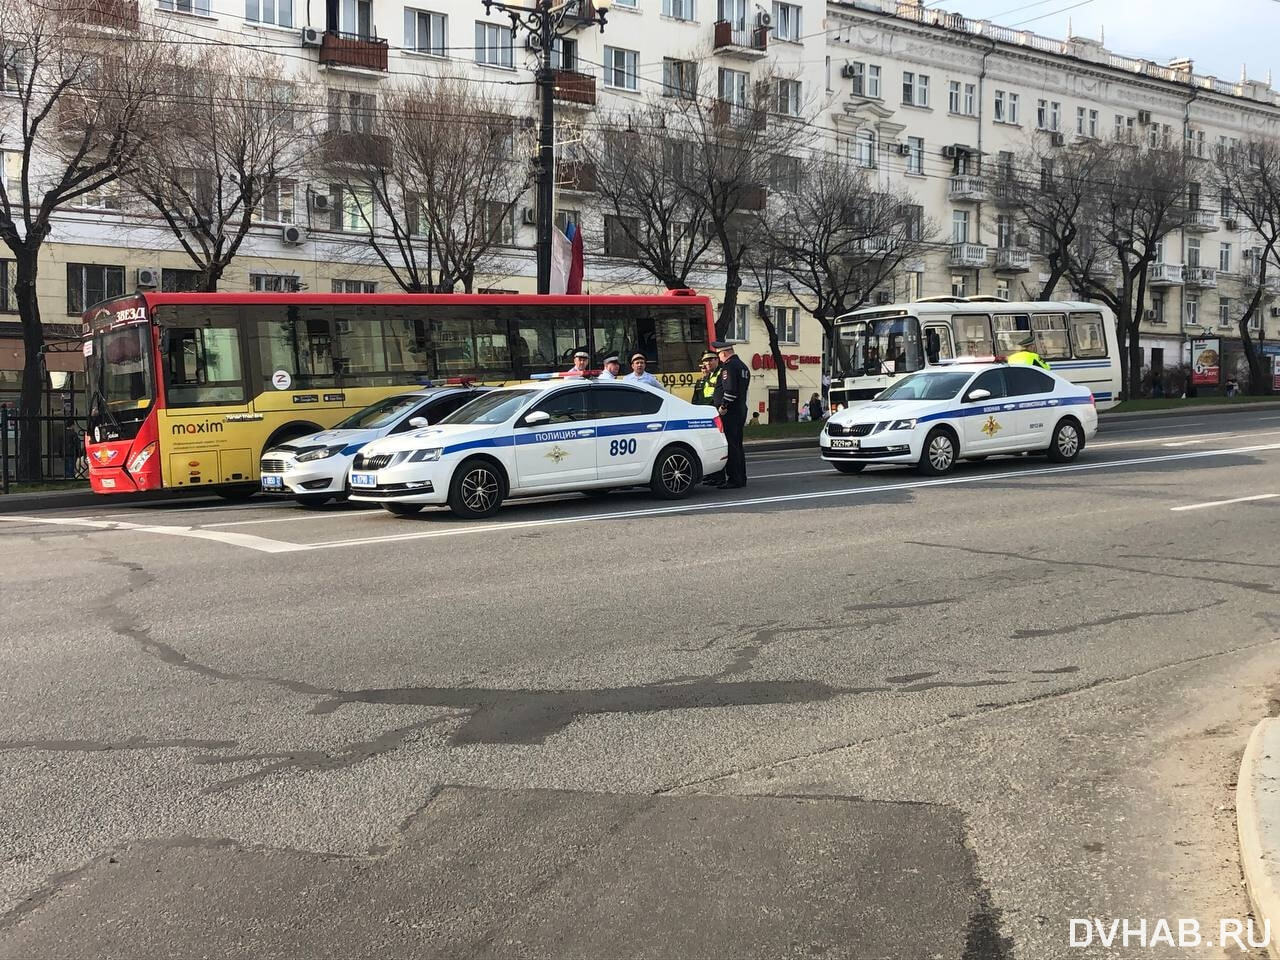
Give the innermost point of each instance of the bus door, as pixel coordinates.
(937, 343)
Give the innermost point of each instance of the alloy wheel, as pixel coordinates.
(479, 489)
(677, 473)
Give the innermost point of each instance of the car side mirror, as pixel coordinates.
(418, 422)
(973, 396)
(537, 418)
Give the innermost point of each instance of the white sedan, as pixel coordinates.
(568, 435)
(962, 411)
(314, 467)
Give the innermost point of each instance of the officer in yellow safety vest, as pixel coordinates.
(1028, 357)
(704, 389)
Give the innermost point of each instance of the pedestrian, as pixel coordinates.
(815, 407)
(755, 419)
(638, 373)
(704, 389)
(731, 401)
(580, 360)
(1233, 388)
(612, 367)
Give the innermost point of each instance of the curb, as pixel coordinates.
(1199, 410)
(1258, 821)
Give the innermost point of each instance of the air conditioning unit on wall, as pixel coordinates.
(149, 277)
(320, 202)
(312, 36)
(291, 235)
(529, 216)
(884, 296)
(848, 71)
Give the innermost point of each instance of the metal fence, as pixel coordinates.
(62, 456)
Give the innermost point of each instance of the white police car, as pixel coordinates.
(314, 467)
(962, 411)
(566, 435)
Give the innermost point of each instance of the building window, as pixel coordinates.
(740, 328)
(277, 202)
(959, 226)
(999, 111)
(1002, 289)
(1224, 312)
(1157, 309)
(1055, 116)
(198, 7)
(1124, 128)
(913, 221)
(620, 68)
(732, 87)
(103, 198)
(351, 112)
(424, 31)
(274, 283)
(959, 285)
(279, 12)
(1192, 307)
(679, 9)
(1093, 124)
(500, 223)
(864, 149)
(915, 89)
(493, 45)
(679, 78)
(1013, 111)
(733, 12)
(1224, 257)
(1004, 231)
(786, 22)
(787, 99)
(353, 210)
(565, 216)
(1042, 114)
(618, 232)
(915, 156)
(784, 173)
(89, 283)
(1193, 251)
(354, 286)
(784, 321)
(873, 81)
(1086, 122)
(970, 100)
(8, 276)
(1227, 208)
(866, 80)
(953, 96)
(915, 284)
(179, 281)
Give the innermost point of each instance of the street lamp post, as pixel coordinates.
(545, 21)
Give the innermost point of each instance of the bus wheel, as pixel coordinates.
(845, 467)
(477, 489)
(939, 454)
(1066, 442)
(402, 509)
(237, 494)
(313, 500)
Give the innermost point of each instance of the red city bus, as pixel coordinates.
(188, 389)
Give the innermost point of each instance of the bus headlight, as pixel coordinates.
(321, 453)
(903, 425)
(425, 456)
(140, 461)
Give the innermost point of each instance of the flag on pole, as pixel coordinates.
(573, 284)
(561, 261)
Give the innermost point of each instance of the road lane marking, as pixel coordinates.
(1223, 503)
(311, 515)
(248, 541)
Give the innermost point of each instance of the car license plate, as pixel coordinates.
(270, 482)
(843, 443)
(363, 480)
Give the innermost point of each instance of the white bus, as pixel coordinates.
(875, 346)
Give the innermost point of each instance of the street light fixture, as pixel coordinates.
(545, 22)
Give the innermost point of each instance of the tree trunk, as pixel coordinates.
(33, 373)
(210, 277)
(778, 363)
(1056, 273)
(729, 309)
(1258, 372)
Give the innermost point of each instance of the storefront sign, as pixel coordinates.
(1275, 373)
(1206, 368)
(764, 361)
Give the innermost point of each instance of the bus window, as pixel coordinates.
(1052, 342)
(493, 355)
(1087, 336)
(362, 354)
(299, 340)
(937, 343)
(455, 353)
(407, 337)
(202, 366)
(1013, 332)
(973, 335)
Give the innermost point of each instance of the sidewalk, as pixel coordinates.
(1258, 821)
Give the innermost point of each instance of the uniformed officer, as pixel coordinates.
(638, 372)
(731, 400)
(612, 367)
(704, 388)
(1029, 357)
(580, 360)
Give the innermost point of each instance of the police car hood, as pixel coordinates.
(444, 435)
(349, 440)
(875, 411)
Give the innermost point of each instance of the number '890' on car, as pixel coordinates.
(963, 411)
(525, 441)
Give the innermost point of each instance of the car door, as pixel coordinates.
(1035, 393)
(628, 430)
(559, 452)
(990, 425)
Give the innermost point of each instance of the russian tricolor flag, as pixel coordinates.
(566, 260)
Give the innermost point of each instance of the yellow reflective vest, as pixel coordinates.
(1028, 357)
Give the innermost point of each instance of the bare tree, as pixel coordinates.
(1248, 178)
(72, 110)
(762, 263)
(434, 180)
(235, 162)
(836, 236)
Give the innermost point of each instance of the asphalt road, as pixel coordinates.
(850, 716)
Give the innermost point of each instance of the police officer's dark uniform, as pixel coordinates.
(704, 388)
(731, 400)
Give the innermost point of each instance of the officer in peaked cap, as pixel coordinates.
(704, 388)
(612, 367)
(580, 361)
(731, 400)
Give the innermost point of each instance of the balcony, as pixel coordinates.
(116, 14)
(747, 44)
(1012, 260)
(967, 188)
(1203, 277)
(1201, 221)
(1165, 274)
(574, 87)
(577, 176)
(355, 149)
(354, 51)
(1002, 193)
(968, 255)
(726, 114)
(874, 247)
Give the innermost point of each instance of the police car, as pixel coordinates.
(314, 467)
(962, 411)
(554, 437)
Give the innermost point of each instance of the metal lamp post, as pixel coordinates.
(545, 22)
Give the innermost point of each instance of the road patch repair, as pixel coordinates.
(1258, 822)
(544, 873)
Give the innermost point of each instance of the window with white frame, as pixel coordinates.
(959, 285)
(352, 209)
(915, 89)
(493, 45)
(620, 68)
(1157, 308)
(953, 96)
(679, 78)
(274, 283)
(198, 7)
(864, 149)
(1055, 116)
(1224, 257)
(1013, 108)
(424, 31)
(1081, 121)
(1224, 312)
(351, 112)
(915, 156)
(873, 81)
(733, 12)
(784, 321)
(106, 197)
(998, 113)
(1255, 322)
(1006, 107)
(354, 286)
(1225, 204)
(786, 21)
(276, 205)
(1004, 231)
(1002, 289)
(915, 284)
(740, 326)
(278, 12)
(732, 86)
(959, 226)
(1042, 114)
(1093, 124)
(970, 102)
(1191, 309)
(1193, 251)
(866, 79)
(787, 98)
(679, 9)
(500, 223)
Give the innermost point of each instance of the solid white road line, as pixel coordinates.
(1223, 503)
(299, 515)
(261, 544)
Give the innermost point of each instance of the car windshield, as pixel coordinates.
(383, 413)
(926, 386)
(496, 407)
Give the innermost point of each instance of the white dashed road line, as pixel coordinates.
(1223, 503)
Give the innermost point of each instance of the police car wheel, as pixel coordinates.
(849, 467)
(402, 509)
(674, 474)
(939, 454)
(312, 501)
(477, 489)
(1067, 442)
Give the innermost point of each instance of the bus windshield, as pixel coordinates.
(380, 414)
(496, 407)
(120, 381)
(886, 346)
